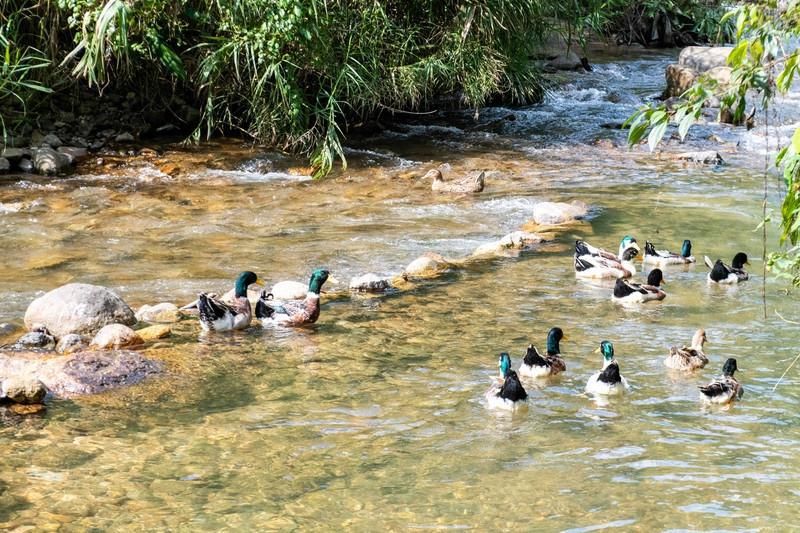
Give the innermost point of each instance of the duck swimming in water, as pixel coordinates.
(593, 262)
(510, 395)
(223, 315)
(628, 292)
(727, 275)
(608, 381)
(536, 365)
(663, 258)
(293, 313)
(725, 389)
(688, 357)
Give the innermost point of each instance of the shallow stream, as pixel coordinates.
(374, 418)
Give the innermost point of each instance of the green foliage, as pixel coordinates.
(761, 65)
(18, 66)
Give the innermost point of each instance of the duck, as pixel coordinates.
(463, 185)
(727, 275)
(608, 381)
(593, 262)
(629, 292)
(510, 395)
(535, 365)
(663, 258)
(688, 358)
(725, 389)
(220, 314)
(297, 312)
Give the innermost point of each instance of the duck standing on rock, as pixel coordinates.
(608, 381)
(727, 275)
(663, 258)
(219, 315)
(535, 365)
(628, 292)
(593, 262)
(294, 313)
(464, 185)
(725, 389)
(688, 358)
(510, 395)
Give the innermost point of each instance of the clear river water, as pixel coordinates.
(374, 418)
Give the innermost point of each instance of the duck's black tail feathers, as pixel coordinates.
(512, 389)
(534, 358)
(210, 309)
(611, 374)
(263, 309)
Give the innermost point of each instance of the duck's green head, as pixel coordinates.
(628, 242)
(318, 278)
(740, 260)
(554, 336)
(686, 249)
(504, 363)
(607, 349)
(729, 367)
(244, 280)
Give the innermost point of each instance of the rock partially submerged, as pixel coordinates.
(115, 336)
(23, 389)
(78, 308)
(428, 265)
(515, 242)
(554, 213)
(70, 343)
(289, 290)
(38, 338)
(164, 313)
(79, 373)
(370, 283)
(709, 157)
(154, 332)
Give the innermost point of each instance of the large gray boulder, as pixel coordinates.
(78, 308)
(704, 58)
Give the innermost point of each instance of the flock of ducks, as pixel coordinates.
(233, 311)
(595, 263)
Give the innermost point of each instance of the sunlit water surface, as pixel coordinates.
(374, 418)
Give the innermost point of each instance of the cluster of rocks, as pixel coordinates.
(710, 62)
(79, 341)
(89, 123)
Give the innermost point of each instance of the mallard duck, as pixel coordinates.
(628, 292)
(222, 315)
(592, 262)
(665, 257)
(608, 381)
(534, 365)
(725, 389)
(293, 313)
(688, 358)
(724, 274)
(510, 394)
(463, 185)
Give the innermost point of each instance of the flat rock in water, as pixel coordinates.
(79, 373)
(78, 308)
(554, 213)
(154, 332)
(114, 336)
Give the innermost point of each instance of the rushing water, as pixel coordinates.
(374, 418)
